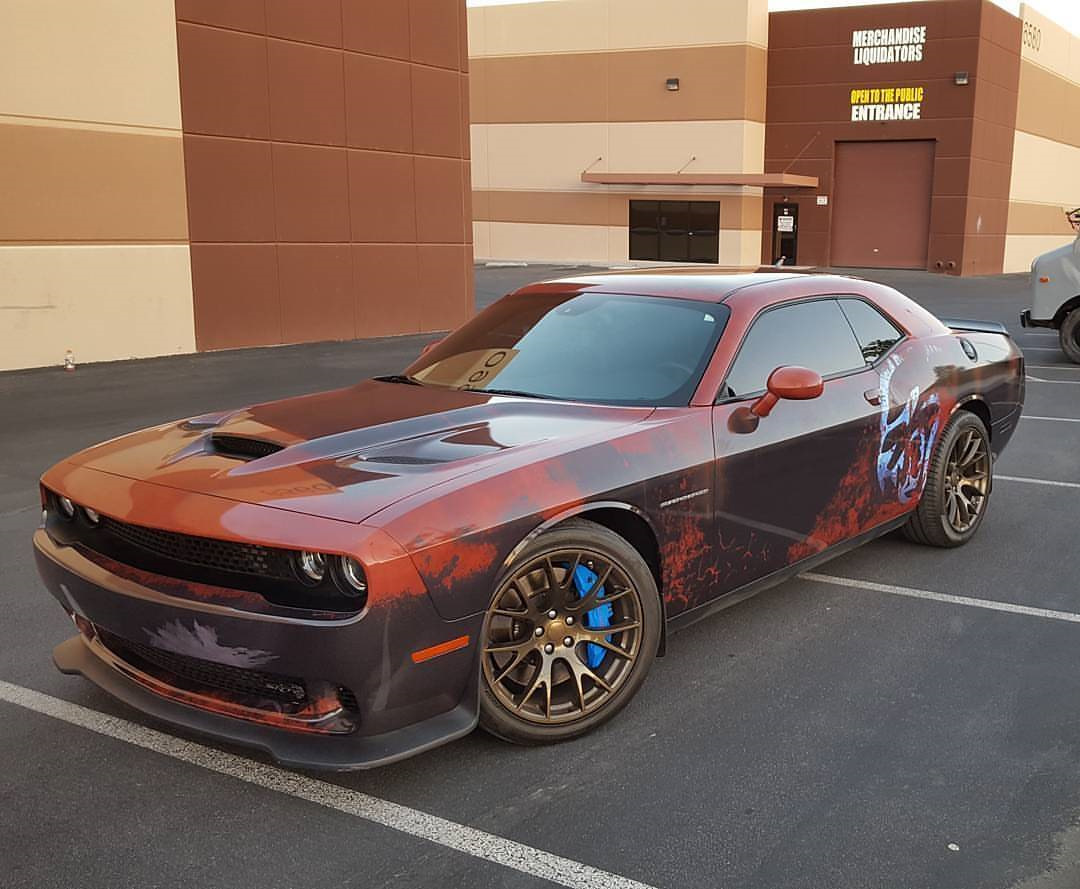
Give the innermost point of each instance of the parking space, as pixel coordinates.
(826, 733)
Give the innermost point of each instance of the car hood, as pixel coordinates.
(349, 453)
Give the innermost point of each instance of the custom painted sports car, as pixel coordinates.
(506, 531)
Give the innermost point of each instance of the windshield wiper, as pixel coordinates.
(399, 378)
(517, 393)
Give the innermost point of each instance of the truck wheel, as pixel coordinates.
(1070, 336)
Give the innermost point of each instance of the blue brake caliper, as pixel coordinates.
(598, 618)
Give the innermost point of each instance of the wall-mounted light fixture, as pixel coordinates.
(960, 78)
(672, 84)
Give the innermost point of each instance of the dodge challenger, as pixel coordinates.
(506, 532)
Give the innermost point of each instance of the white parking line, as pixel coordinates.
(1035, 481)
(1038, 348)
(477, 843)
(1032, 379)
(1054, 367)
(1051, 419)
(988, 604)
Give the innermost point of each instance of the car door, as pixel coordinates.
(788, 484)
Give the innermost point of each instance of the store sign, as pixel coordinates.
(887, 46)
(785, 223)
(887, 103)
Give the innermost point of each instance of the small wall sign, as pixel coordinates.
(823, 200)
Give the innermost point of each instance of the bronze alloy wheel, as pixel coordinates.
(562, 636)
(958, 485)
(967, 480)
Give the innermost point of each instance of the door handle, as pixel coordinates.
(873, 396)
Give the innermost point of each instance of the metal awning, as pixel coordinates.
(757, 180)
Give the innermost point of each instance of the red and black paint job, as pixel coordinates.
(434, 491)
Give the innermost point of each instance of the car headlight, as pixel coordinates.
(66, 507)
(312, 566)
(352, 572)
(92, 516)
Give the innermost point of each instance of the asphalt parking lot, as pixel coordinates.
(840, 732)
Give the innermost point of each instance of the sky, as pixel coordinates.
(1065, 12)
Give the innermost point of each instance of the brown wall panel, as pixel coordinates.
(230, 189)
(325, 139)
(316, 285)
(378, 103)
(223, 82)
(68, 184)
(307, 93)
(310, 21)
(236, 296)
(311, 193)
(433, 32)
(444, 275)
(439, 197)
(386, 289)
(382, 197)
(381, 29)
(716, 83)
(239, 15)
(437, 112)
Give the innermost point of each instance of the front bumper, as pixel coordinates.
(1027, 321)
(401, 707)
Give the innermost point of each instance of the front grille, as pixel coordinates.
(209, 674)
(242, 447)
(206, 552)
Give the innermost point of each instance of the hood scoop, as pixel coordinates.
(240, 447)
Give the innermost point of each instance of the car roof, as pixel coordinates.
(707, 285)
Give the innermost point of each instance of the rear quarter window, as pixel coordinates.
(876, 333)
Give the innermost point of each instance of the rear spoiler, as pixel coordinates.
(975, 326)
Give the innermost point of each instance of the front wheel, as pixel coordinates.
(1070, 336)
(570, 634)
(958, 485)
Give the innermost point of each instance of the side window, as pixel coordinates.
(876, 333)
(810, 334)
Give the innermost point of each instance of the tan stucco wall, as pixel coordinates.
(1046, 149)
(93, 237)
(566, 85)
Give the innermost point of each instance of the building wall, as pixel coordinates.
(1045, 178)
(971, 125)
(93, 230)
(563, 86)
(327, 167)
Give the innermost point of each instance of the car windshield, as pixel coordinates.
(595, 347)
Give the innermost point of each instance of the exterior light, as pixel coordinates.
(67, 508)
(92, 515)
(960, 78)
(672, 84)
(352, 572)
(312, 566)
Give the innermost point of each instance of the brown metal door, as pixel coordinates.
(881, 204)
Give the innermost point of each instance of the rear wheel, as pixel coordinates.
(1070, 336)
(958, 485)
(569, 637)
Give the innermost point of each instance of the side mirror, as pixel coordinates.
(795, 383)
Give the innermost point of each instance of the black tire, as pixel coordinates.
(932, 523)
(631, 589)
(1070, 336)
